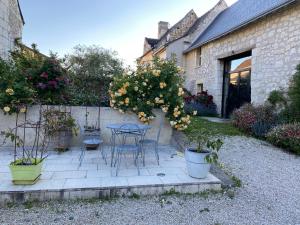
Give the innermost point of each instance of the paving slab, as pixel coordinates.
(64, 178)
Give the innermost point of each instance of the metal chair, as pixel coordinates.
(91, 139)
(153, 142)
(125, 132)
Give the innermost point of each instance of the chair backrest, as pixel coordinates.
(129, 130)
(159, 130)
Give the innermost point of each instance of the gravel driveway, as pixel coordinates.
(270, 195)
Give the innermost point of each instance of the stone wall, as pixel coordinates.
(11, 25)
(178, 46)
(179, 29)
(107, 116)
(275, 45)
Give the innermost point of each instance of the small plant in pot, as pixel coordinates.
(60, 127)
(29, 153)
(203, 151)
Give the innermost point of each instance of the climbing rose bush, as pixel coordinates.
(15, 93)
(151, 86)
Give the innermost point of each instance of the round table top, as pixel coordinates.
(128, 126)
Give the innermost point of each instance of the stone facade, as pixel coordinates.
(177, 47)
(275, 44)
(179, 37)
(11, 25)
(178, 30)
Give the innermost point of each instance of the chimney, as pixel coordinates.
(163, 27)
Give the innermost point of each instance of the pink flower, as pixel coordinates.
(44, 75)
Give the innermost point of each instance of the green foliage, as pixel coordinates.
(206, 143)
(90, 70)
(294, 94)
(15, 92)
(43, 74)
(277, 97)
(56, 121)
(153, 86)
(286, 136)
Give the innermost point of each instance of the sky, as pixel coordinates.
(119, 25)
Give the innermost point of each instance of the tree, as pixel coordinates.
(91, 69)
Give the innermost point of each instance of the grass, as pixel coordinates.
(217, 129)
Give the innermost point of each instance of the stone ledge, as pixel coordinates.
(87, 193)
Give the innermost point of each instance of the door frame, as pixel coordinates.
(226, 70)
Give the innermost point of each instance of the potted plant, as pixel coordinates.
(60, 127)
(203, 153)
(26, 168)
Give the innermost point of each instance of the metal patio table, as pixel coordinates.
(129, 128)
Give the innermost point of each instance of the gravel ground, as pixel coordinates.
(270, 194)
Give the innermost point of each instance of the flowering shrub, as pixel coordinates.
(286, 136)
(244, 117)
(43, 74)
(49, 81)
(15, 93)
(152, 86)
(257, 120)
(201, 104)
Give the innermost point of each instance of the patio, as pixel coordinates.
(62, 178)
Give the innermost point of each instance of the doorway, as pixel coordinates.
(236, 83)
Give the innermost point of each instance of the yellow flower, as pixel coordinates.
(23, 110)
(162, 85)
(142, 114)
(126, 100)
(9, 91)
(176, 114)
(122, 91)
(126, 84)
(180, 92)
(165, 109)
(6, 109)
(180, 70)
(156, 73)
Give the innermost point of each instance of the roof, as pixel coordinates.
(151, 41)
(238, 15)
(21, 14)
(200, 19)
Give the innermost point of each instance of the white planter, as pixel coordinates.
(197, 166)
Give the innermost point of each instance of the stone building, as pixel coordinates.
(250, 49)
(242, 52)
(171, 42)
(11, 25)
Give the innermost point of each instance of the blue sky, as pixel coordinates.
(120, 25)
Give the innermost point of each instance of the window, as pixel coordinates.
(199, 55)
(199, 87)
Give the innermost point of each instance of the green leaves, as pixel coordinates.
(158, 85)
